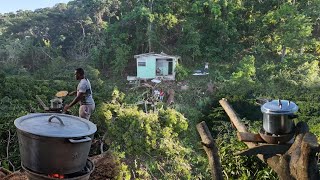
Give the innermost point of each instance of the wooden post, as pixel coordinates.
(211, 150)
(145, 107)
(236, 121)
(170, 97)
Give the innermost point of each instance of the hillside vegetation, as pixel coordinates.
(255, 49)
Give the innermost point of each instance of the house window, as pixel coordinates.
(141, 63)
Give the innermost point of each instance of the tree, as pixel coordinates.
(289, 30)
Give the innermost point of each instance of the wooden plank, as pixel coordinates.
(249, 137)
(267, 149)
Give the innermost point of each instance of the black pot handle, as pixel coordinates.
(84, 139)
(53, 116)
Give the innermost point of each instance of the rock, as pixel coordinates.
(184, 87)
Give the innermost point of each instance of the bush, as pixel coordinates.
(151, 142)
(181, 72)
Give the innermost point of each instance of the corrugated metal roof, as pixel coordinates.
(161, 55)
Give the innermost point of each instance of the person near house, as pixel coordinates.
(158, 71)
(83, 96)
(161, 95)
(156, 94)
(206, 67)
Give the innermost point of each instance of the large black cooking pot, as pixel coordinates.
(278, 115)
(54, 143)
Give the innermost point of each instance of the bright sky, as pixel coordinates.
(14, 5)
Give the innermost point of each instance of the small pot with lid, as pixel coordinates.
(278, 115)
(56, 103)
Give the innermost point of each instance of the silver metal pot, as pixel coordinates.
(278, 115)
(54, 143)
(56, 103)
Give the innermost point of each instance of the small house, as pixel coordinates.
(152, 65)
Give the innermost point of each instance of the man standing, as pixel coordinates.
(83, 96)
(206, 67)
(161, 95)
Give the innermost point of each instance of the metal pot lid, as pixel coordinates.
(279, 107)
(55, 125)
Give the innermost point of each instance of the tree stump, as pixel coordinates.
(106, 166)
(170, 97)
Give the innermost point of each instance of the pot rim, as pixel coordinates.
(55, 125)
(278, 113)
(279, 107)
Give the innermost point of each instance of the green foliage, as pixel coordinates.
(240, 167)
(117, 96)
(121, 56)
(307, 74)
(246, 70)
(181, 72)
(190, 44)
(151, 140)
(292, 29)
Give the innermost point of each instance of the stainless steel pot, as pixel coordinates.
(54, 143)
(278, 115)
(56, 103)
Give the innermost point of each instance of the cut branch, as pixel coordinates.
(7, 149)
(211, 150)
(236, 121)
(249, 137)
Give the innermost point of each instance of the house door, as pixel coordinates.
(170, 64)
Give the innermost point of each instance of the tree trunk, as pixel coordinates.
(170, 100)
(283, 52)
(150, 27)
